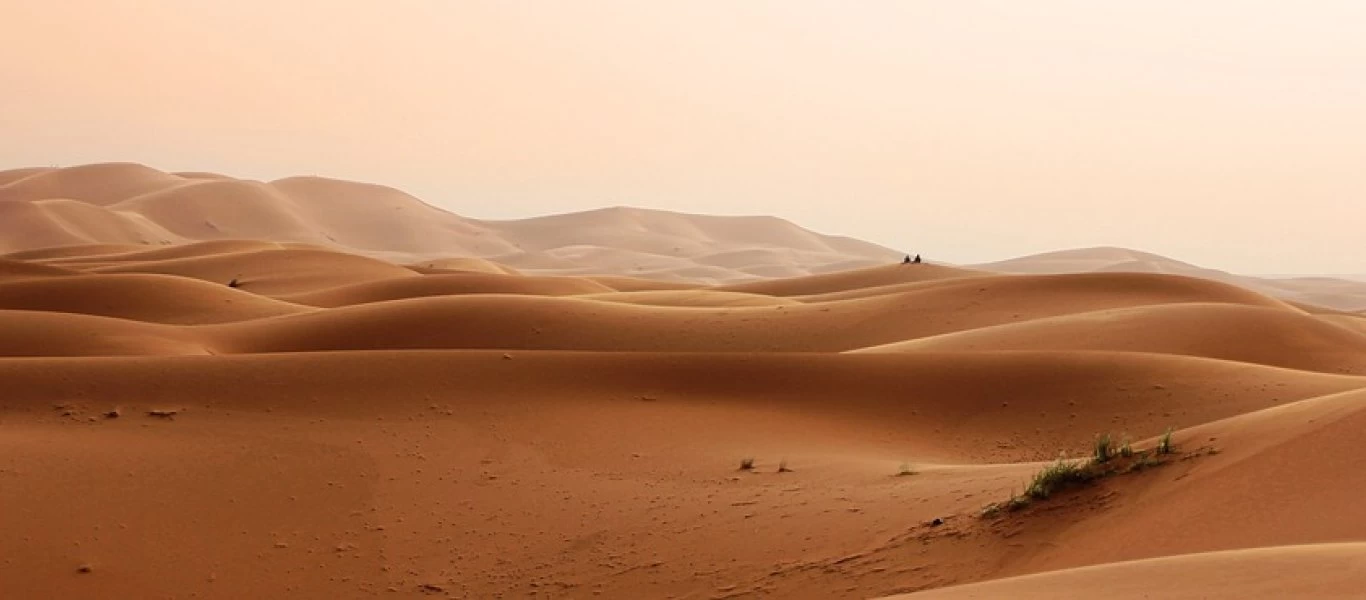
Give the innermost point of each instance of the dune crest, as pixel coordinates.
(119, 203)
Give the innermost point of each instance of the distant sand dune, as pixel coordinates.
(1231, 332)
(134, 204)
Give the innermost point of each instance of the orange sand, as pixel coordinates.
(398, 402)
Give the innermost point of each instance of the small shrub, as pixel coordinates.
(1054, 477)
(782, 466)
(234, 283)
(747, 464)
(1164, 443)
(905, 470)
(1104, 449)
(1126, 447)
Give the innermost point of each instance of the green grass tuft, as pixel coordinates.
(1126, 447)
(1056, 476)
(1164, 443)
(1103, 449)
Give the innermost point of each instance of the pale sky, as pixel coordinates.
(1228, 133)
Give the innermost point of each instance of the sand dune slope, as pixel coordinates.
(270, 272)
(1265, 462)
(110, 255)
(1255, 334)
(448, 284)
(693, 298)
(150, 298)
(524, 322)
(16, 270)
(36, 333)
(359, 472)
(61, 222)
(99, 184)
(1319, 571)
(1343, 293)
(856, 279)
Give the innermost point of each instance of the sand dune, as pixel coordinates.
(98, 184)
(1343, 293)
(1232, 332)
(132, 204)
(106, 255)
(149, 298)
(694, 298)
(448, 284)
(418, 464)
(1320, 571)
(326, 389)
(61, 222)
(65, 252)
(556, 323)
(450, 265)
(845, 281)
(269, 271)
(43, 333)
(15, 270)
(396, 309)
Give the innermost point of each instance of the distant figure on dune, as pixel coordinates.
(908, 260)
(917, 259)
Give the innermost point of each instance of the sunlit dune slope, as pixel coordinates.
(15, 270)
(1309, 571)
(366, 452)
(150, 298)
(1031, 405)
(851, 280)
(270, 271)
(448, 284)
(693, 298)
(1261, 463)
(1257, 334)
(41, 333)
(1341, 293)
(568, 323)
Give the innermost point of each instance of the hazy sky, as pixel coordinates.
(1226, 133)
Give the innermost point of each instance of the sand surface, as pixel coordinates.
(382, 414)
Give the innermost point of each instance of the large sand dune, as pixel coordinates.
(1346, 292)
(218, 388)
(133, 204)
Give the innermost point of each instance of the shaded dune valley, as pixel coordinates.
(218, 388)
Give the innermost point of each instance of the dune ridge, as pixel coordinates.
(130, 204)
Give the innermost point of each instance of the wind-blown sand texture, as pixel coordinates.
(353, 419)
